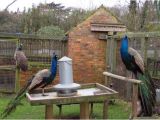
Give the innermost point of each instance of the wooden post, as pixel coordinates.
(108, 67)
(155, 70)
(105, 109)
(91, 110)
(129, 86)
(114, 55)
(111, 56)
(49, 112)
(144, 49)
(84, 110)
(60, 111)
(107, 81)
(17, 79)
(134, 100)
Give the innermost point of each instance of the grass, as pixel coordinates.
(120, 110)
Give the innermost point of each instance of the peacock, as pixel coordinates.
(146, 91)
(20, 58)
(41, 79)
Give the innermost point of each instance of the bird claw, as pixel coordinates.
(44, 95)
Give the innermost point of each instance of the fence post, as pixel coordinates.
(155, 70)
(17, 79)
(144, 43)
(108, 67)
(110, 57)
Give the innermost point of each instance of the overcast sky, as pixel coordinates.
(87, 4)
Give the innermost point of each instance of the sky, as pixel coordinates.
(86, 4)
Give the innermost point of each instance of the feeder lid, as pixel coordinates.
(65, 59)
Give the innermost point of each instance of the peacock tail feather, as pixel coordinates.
(146, 93)
(11, 106)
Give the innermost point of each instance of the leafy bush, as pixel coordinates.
(54, 31)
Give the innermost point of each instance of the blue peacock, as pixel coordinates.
(40, 79)
(146, 91)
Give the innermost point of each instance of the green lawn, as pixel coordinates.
(119, 110)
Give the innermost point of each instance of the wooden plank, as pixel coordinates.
(8, 67)
(108, 28)
(105, 88)
(134, 100)
(73, 99)
(122, 78)
(107, 24)
(49, 111)
(84, 110)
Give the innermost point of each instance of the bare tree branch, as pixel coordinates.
(10, 4)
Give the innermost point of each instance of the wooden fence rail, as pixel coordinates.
(134, 92)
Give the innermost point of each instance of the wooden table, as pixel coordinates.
(92, 92)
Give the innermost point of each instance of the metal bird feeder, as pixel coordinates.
(66, 87)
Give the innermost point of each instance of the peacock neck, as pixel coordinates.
(124, 45)
(53, 66)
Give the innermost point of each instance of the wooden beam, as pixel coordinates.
(122, 78)
(107, 28)
(137, 35)
(15, 36)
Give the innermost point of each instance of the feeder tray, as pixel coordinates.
(64, 90)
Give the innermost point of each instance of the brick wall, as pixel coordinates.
(25, 76)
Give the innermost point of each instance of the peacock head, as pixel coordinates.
(124, 43)
(53, 62)
(125, 36)
(125, 39)
(54, 56)
(20, 47)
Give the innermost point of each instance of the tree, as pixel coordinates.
(9, 5)
(157, 6)
(132, 14)
(54, 31)
(9, 22)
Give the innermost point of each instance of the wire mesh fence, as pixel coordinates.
(37, 50)
(7, 63)
(41, 50)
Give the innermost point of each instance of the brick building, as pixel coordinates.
(86, 48)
